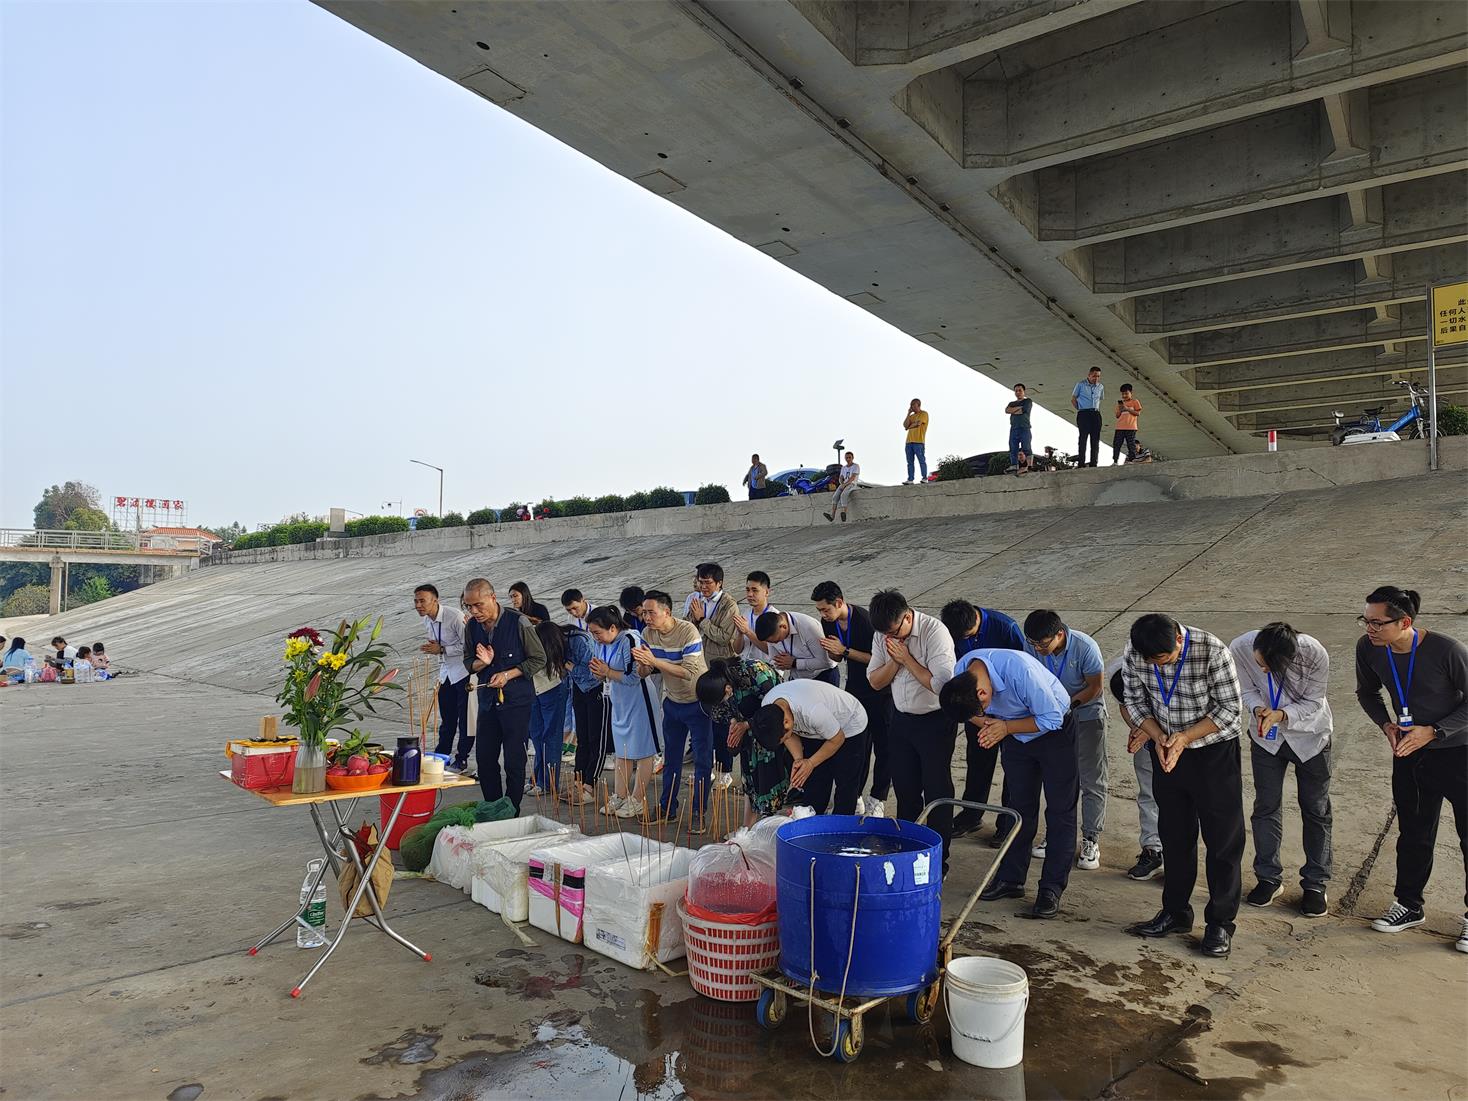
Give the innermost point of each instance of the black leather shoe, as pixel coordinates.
(1047, 905)
(965, 823)
(999, 889)
(1216, 942)
(1163, 925)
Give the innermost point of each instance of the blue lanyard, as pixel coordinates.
(1065, 657)
(1274, 692)
(790, 635)
(606, 651)
(1177, 672)
(846, 637)
(1391, 662)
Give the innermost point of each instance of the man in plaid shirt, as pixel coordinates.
(1182, 692)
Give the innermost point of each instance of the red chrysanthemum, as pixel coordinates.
(309, 633)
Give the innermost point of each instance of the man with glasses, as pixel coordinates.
(716, 616)
(1075, 660)
(913, 653)
(795, 639)
(1425, 676)
(1183, 692)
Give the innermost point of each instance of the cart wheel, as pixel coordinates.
(921, 1003)
(848, 1042)
(770, 1010)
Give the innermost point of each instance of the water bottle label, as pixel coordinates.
(316, 914)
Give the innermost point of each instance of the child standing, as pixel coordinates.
(1128, 409)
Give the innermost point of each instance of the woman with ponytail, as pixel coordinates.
(1425, 677)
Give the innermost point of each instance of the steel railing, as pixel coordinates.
(63, 540)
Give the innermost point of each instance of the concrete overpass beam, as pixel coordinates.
(1349, 397)
(1419, 213)
(1321, 27)
(1153, 71)
(1270, 160)
(1375, 280)
(1297, 336)
(1341, 366)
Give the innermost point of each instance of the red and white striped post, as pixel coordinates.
(1273, 439)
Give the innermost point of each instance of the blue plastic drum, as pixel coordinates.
(898, 908)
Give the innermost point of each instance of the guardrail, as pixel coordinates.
(123, 541)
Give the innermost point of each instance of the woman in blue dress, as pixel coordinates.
(631, 710)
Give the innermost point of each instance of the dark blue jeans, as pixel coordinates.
(1019, 440)
(547, 725)
(1049, 763)
(682, 723)
(918, 451)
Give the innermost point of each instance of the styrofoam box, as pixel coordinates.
(557, 877)
(453, 849)
(620, 896)
(498, 883)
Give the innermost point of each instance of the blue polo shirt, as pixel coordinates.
(1088, 395)
(996, 632)
(1078, 659)
(1022, 687)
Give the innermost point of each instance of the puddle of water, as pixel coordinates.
(411, 1047)
(189, 1092)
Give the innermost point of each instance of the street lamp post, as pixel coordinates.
(430, 466)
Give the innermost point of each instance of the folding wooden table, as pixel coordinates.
(330, 838)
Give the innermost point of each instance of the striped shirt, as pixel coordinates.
(1207, 686)
(683, 645)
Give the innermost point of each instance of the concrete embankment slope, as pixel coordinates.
(127, 909)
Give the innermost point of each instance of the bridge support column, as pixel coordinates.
(58, 581)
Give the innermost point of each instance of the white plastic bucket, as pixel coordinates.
(986, 1000)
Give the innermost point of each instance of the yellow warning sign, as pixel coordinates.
(1449, 314)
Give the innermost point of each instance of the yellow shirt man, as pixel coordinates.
(916, 423)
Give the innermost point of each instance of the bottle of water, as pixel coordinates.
(313, 907)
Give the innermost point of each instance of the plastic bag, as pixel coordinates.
(758, 840)
(381, 873)
(727, 879)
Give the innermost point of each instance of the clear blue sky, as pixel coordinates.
(257, 260)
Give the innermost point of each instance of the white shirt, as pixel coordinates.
(820, 710)
(850, 472)
(447, 629)
(1301, 696)
(803, 643)
(750, 650)
(931, 646)
(580, 621)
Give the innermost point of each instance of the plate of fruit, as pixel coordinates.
(355, 765)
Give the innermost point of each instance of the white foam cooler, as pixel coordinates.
(498, 883)
(557, 877)
(453, 850)
(625, 899)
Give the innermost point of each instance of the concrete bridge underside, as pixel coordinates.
(1235, 205)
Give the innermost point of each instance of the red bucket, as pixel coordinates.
(418, 808)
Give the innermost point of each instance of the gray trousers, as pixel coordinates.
(1312, 785)
(1091, 765)
(1146, 804)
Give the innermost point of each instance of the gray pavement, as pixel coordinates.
(134, 878)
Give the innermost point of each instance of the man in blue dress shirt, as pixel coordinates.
(1085, 399)
(1022, 707)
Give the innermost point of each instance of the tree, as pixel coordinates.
(87, 519)
(90, 591)
(229, 532)
(59, 502)
(711, 494)
(27, 600)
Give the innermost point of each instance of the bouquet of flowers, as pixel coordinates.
(331, 683)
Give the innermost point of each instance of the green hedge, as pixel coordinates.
(482, 516)
(664, 497)
(611, 502)
(711, 494)
(376, 525)
(952, 468)
(428, 523)
(452, 520)
(1452, 420)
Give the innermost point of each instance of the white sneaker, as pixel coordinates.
(613, 805)
(1038, 852)
(1462, 944)
(1089, 856)
(1397, 918)
(631, 808)
(535, 790)
(528, 785)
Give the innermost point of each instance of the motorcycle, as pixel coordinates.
(1369, 429)
(1054, 460)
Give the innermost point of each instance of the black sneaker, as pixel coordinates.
(1148, 865)
(1313, 904)
(966, 823)
(1397, 918)
(1264, 892)
(998, 836)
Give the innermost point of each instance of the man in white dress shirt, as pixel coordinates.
(445, 629)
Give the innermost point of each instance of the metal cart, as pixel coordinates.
(774, 1000)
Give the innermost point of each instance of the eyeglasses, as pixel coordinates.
(1040, 643)
(1376, 624)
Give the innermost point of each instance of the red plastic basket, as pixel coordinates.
(723, 954)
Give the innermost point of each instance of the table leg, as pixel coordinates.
(364, 871)
(379, 919)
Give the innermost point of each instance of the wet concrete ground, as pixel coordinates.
(132, 878)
